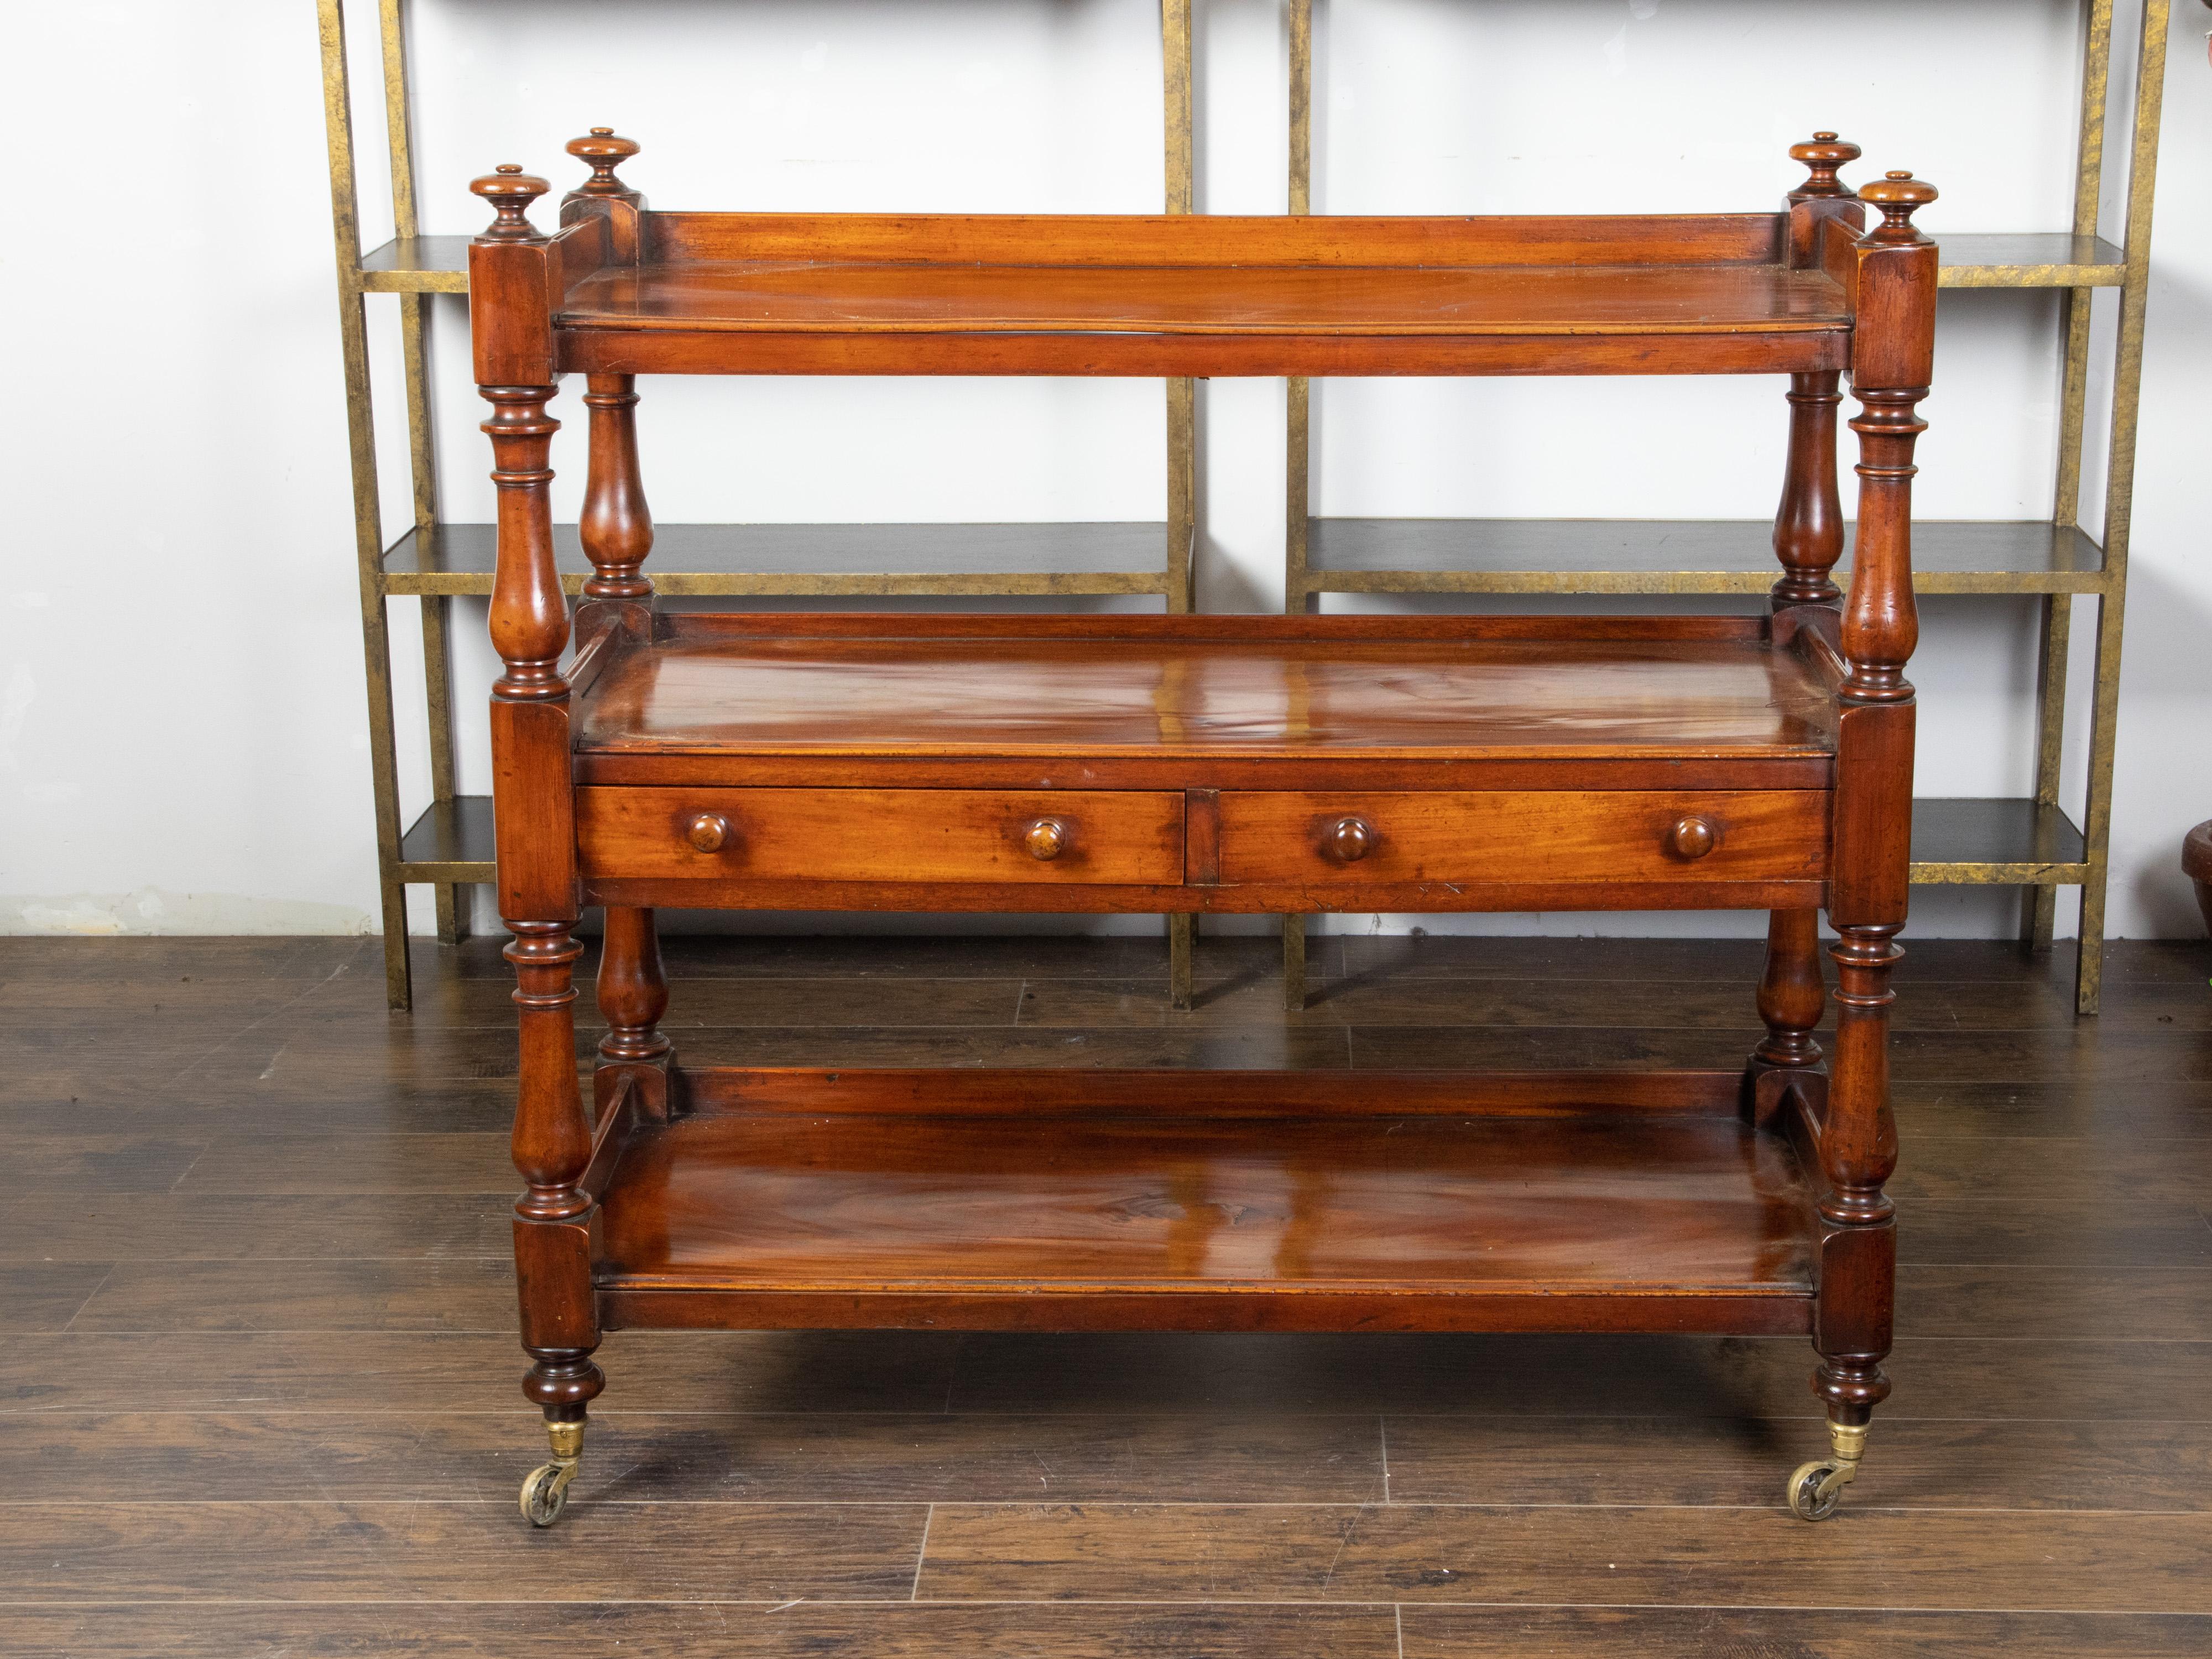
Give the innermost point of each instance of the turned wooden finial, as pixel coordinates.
(604, 152)
(1821, 156)
(1897, 194)
(510, 191)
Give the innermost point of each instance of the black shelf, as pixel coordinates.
(824, 559)
(452, 841)
(1669, 556)
(1995, 842)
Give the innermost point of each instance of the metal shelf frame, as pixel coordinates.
(2029, 843)
(449, 846)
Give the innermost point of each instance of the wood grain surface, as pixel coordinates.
(208, 1457)
(1461, 690)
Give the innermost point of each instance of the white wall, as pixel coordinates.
(182, 735)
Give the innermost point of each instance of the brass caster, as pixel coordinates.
(1816, 1489)
(545, 1489)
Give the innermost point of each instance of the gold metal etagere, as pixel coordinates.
(2032, 843)
(449, 846)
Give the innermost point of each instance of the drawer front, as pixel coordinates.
(1352, 840)
(1045, 837)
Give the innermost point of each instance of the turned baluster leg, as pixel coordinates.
(616, 527)
(1872, 849)
(1809, 525)
(1808, 540)
(1858, 1153)
(552, 1226)
(1857, 1245)
(534, 811)
(633, 996)
(533, 808)
(1792, 996)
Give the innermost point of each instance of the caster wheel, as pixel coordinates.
(1814, 1493)
(546, 1493)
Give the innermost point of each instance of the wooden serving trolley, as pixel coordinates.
(1186, 764)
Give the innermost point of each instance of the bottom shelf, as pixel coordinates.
(1994, 841)
(1042, 1200)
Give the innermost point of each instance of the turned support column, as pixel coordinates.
(533, 809)
(633, 996)
(1892, 354)
(1809, 525)
(616, 527)
(552, 1144)
(1808, 541)
(533, 806)
(1792, 996)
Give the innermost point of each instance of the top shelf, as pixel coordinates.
(1177, 295)
(439, 264)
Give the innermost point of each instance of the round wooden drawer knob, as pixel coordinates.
(1349, 840)
(1047, 838)
(1692, 837)
(709, 832)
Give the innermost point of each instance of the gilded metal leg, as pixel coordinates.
(1816, 1489)
(2040, 903)
(2119, 499)
(453, 898)
(545, 1489)
(2097, 817)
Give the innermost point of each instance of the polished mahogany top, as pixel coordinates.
(632, 291)
(1520, 302)
(1244, 687)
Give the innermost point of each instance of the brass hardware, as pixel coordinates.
(708, 833)
(1692, 837)
(1816, 1489)
(1046, 839)
(1349, 840)
(545, 1489)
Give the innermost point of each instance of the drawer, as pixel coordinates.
(881, 835)
(1497, 836)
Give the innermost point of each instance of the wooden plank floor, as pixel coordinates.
(258, 1383)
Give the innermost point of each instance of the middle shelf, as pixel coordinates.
(1666, 555)
(1068, 558)
(1344, 556)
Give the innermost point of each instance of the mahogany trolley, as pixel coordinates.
(1261, 765)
